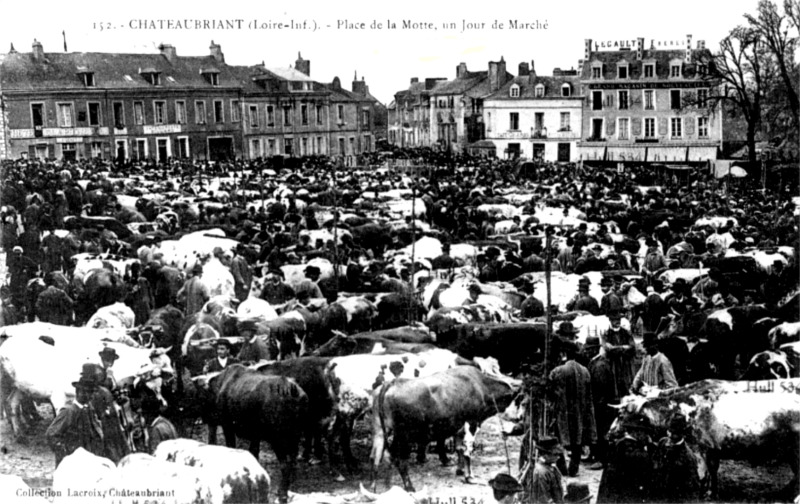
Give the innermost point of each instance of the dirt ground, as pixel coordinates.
(32, 460)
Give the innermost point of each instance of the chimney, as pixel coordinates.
(524, 69)
(216, 52)
(302, 65)
(359, 86)
(336, 84)
(12, 50)
(414, 80)
(461, 70)
(688, 48)
(533, 69)
(557, 72)
(701, 44)
(430, 82)
(639, 48)
(587, 53)
(497, 74)
(38, 51)
(168, 51)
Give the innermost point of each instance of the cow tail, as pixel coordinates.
(381, 412)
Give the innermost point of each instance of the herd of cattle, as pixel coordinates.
(424, 363)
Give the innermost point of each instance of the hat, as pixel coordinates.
(108, 353)
(275, 271)
(246, 326)
(197, 268)
(223, 342)
(615, 315)
(678, 425)
(649, 339)
(606, 282)
(505, 483)
(549, 445)
(567, 329)
(312, 270)
(679, 284)
(17, 249)
(475, 288)
(89, 378)
(577, 492)
(619, 278)
(592, 342)
(584, 281)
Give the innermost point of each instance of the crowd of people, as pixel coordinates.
(41, 197)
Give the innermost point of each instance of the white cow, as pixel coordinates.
(186, 251)
(295, 273)
(116, 316)
(187, 485)
(85, 471)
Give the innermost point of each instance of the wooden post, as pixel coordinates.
(335, 231)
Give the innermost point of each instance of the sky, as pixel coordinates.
(344, 38)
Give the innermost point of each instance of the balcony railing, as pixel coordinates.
(538, 132)
(595, 139)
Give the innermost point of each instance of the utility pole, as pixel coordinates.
(335, 228)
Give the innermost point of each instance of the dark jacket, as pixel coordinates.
(75, 426)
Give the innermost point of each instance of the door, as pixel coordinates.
(37, 117)
(513, 151)
(120, 150)
(563, 152)
(597, 129)
(538, 151)
(220, 149)
(141, 149)
(161, 150)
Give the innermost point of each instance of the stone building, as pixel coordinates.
(410, 114)
(647, 103)
(536, 117)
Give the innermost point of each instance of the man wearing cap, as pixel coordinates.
(610, 302)
(53, 305)
(604, 393)
(309, 284)
(654, 262)
(444, 260)
(676, 465)
(223, 358)
(574, 410)
(505, 488)
(105, 402)
(531, 307)
(628, 476)
(621, 351)
(275, 290)
(20, 270)
(545, 481)
(584, 301)
(254, 348)
(77, 425)
(195, 293)
(656, 370)
(474, 293)
(242, 274)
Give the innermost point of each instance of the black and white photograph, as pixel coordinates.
(418, 252)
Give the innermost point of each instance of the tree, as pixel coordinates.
(775, 33)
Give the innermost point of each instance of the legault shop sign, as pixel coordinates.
(649, 85)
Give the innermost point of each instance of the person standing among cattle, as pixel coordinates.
(194, 293)
(628, 476)
(544, 483)
(620, 349)
(654, 262)
(115, 440)
(584, 301)
(53, 304)
(77, 425)
(656, 370)
(20, 270)
(52, 247)
(254, 348)
(276, 291)
(604, 393)
(531, 307)
(571, 389)
(242, 274)
(223, 358)
(610, 303)
(676, 465)
(309, 284)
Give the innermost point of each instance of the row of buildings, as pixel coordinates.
(625, 102)
(162, 106)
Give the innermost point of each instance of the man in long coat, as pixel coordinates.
(194, 292)
(574, 410)
(53, 304)
(620, 350)
(77, 425)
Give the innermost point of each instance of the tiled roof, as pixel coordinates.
(460, 85)
(19, 71)
(527, 87)
(289, 74)
(661, 57)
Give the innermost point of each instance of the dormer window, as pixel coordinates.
(87, 76)
(649, 70)
(566, 90)
(597, 70)
(622, 70)
(702, 70)
(514, 92)
(211, 75)
(539, 91)
(151, 75)
(675, 70)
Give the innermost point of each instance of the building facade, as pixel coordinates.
(410, 114)
(647, 104)
(162, 106)
(536, 117)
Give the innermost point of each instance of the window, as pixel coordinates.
(352, 145)
(303, 118)
(566, 90)
(219, 115)
(319, 114)
(235, 111)
(271, 145)
(340, 114)
(538, 122)
(180, 112)
(539, 91)
(65, 115)
(623, 100)
(96, 149)
(597, 129)
(702, 98)
(622, 128)
(564, 121)
(513, 121)
(213, 78)
(649, 70)
(649, 127)
(622, 72)
(287, 115)
(597, 100)
(675, 70)
(254, 116)
(366, 116)
(367, 143)
(119, 115)
(270, 116)
(676, 127)
(596, 72)
(287, 146)
(675, 99)
(68, 151)
(255, 148)
(153, 78)
(138, 112)
(94, 114)
(702, 70)
(88, 80)
(200, 112)
(514, 91)
(159, 112)
(702, 127)
(319, 145)
(649, 99)
(341, 146)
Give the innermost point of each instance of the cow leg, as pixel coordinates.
(230, 438)
(255, 444)
(712, 459)
(441, 449)
(376, 455)
(286, 453)
(465, 444)
(212, 434)
(422, 448)
(14, 401)
(401, 451)
(345, 431)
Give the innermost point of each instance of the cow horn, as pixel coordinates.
(371, 497)
(616, 406)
